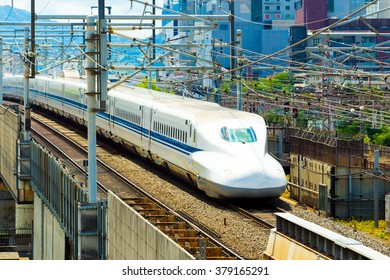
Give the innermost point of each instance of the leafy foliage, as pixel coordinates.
(145, 84)
(372, 135)
(368, 226)
(382, 137)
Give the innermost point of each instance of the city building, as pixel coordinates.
(358, 43)
(264, 25)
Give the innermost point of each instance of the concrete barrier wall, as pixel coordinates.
(38, 228)
(312, 174)
(9, 128)
(131, 237)
(280, 247)
(354, 195)
(7, 208)
(49, 237)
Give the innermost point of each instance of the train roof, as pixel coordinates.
(186, 107)
(179, 105)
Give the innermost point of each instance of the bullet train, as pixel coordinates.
(219, 150)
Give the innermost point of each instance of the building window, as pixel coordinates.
(266, 8)
(288, 16)
(287, 8)
(298, 5)
(175, 31)
(277, 16)
(278, 8)
(349, 40)
(223, 27)
(368, 41)
(330, 6)
(266, 16)
(315, 42)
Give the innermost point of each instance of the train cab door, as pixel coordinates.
(146, 120)
(46, 91)
(62, 95)
(83, 109)
(111, 113)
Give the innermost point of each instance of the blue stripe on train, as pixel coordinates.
(159, 138)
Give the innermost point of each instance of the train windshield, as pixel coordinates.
(245, 135)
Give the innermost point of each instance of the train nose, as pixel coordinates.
(230, 178)
(274, 170)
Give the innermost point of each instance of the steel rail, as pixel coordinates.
(227, 251)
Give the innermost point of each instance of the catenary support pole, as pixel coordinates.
(1, 71)
(91, 107)
(26, 95)
(238, 75)
(150, 54)
(376, 188)
(103, 57)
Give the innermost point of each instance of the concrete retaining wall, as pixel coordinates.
(131, 237)
(49, 237)
(9, 127)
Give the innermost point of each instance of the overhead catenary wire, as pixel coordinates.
(319, 69)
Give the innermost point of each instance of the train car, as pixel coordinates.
(219, 150)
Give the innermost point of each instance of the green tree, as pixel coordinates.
(382, 138)
(145, 84)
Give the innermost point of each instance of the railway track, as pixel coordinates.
(267, 219)
(70, 146)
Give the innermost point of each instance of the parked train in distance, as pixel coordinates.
(219, 150)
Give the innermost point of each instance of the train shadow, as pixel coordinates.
(273, 204)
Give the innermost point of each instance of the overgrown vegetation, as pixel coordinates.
(280, 83)
(368, 226)
(377, 136)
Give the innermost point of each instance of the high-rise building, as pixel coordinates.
(361, 39)
(379, 7)
(264, 25)
(278, 10)
(315, 14)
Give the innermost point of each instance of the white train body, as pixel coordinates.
(222, 151)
